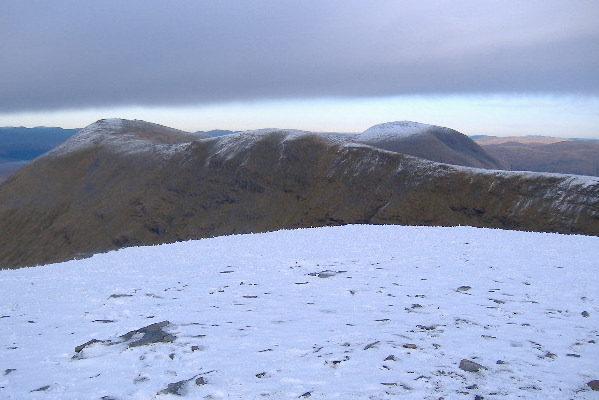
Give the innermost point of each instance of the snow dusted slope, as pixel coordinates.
(352, 312)
(393, 130)
(430, 142)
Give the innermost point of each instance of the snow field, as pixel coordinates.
(364, 312)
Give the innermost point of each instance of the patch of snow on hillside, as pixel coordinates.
(393, 130)
(362, 312)
(87, 137)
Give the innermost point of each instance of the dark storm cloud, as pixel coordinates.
(69, 54)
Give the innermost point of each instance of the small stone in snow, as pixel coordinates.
(585, 314)
(410, 346)
(371, 345)
(201, 381)
(177, 388)
(470, 366)
(464, 288)
(41, 389)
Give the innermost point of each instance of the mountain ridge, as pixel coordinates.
(102, 192)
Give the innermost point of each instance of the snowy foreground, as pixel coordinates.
(354, 312)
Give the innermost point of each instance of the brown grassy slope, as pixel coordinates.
(104, 196)
(8, 170)
(566, 157)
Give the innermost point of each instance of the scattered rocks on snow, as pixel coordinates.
(470, 366)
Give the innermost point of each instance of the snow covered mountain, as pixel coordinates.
(120, 183)
(352, 312)
(430, 142)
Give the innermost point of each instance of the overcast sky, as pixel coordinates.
(343, 65)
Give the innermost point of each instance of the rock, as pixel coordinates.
(307, 394)
(88, 343)
(390, 358)
(201, 381)
(41, 389)
(410, 346)
(470, 366)
(177, 388)
(151, 334)
(594, 384)
(585, 314)
(9, 370)
(464, 288)
(371, 345)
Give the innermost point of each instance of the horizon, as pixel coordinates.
(335, 66)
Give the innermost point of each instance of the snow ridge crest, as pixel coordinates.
(396, 129)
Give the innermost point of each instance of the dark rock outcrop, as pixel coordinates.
(126, 183)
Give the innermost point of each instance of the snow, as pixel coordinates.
(394, 131)
(352, 312)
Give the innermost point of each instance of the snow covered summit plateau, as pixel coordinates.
(393, 130)
(351, 312)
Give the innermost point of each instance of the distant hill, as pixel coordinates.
(544, 154)
(19, 145)
(121, 183)
(430, 142)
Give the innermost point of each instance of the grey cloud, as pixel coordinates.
(69, 54)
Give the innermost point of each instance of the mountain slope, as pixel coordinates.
(353, 312)
(430, 142)
(560, 156)
(125, 183)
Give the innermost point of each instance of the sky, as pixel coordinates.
(482, 67)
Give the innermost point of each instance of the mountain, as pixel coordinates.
(430, 142)
(19, 145)
(121, 183)
(351, 312)
(545, 154)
